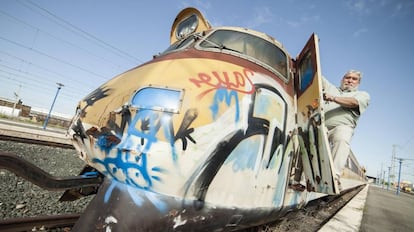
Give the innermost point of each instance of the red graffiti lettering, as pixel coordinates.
(237, 81)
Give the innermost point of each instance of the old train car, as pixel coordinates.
(215, 133)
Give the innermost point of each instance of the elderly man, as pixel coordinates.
(343, 107)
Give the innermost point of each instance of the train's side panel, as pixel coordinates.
(353, 174)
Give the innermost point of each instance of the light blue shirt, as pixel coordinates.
(335, 114)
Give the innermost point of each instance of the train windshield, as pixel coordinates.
(182, 43)
(250, 45)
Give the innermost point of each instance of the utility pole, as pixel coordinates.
(393, 163)
(378, 178)
(60, 85)
(399, 176)
(16, 95)
(400, 160)
(381, 178)
(388, 187)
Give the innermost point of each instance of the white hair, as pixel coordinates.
(352, 71)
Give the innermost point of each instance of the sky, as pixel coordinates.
(83, 43)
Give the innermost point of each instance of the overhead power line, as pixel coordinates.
(40, 89)
(79, 31)
(54, 58)
(86, 51)
(83, 84)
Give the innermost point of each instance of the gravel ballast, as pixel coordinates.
(20, 198)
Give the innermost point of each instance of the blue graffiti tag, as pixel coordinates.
(138, 196)
(245, 154)
(138, 170)
(225, 95)
(150, 123)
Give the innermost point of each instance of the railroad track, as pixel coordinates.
(313, 216)
(65, 145)
(37, 201)
(42, 223)
(31, 135)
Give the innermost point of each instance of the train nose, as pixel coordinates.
(118, 142)
(118, 207)
(126, 131)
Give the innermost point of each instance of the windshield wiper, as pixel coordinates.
(220, 46)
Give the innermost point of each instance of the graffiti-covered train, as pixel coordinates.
(223, 130)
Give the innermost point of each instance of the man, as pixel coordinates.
(343, 107)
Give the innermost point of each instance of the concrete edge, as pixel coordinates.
(349, 218)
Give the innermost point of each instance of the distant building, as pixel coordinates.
(39, 115)
(11, 108)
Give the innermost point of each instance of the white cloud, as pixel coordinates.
(261, 16)
(390, 7)
(358, 33)
(359, 6)
(402, 8)
(305, 19)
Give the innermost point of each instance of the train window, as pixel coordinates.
(261, 50)
(306, 72)
(181, 44)
(161, 99)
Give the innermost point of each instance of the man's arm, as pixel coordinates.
(347, 102)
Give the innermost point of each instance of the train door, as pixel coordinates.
(315, 159)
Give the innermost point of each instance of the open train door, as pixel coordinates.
(315, 153)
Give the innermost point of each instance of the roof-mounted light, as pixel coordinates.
(187, 26)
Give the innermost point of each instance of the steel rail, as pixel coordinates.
(35, 141)
(39, 223)
(317, 213)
